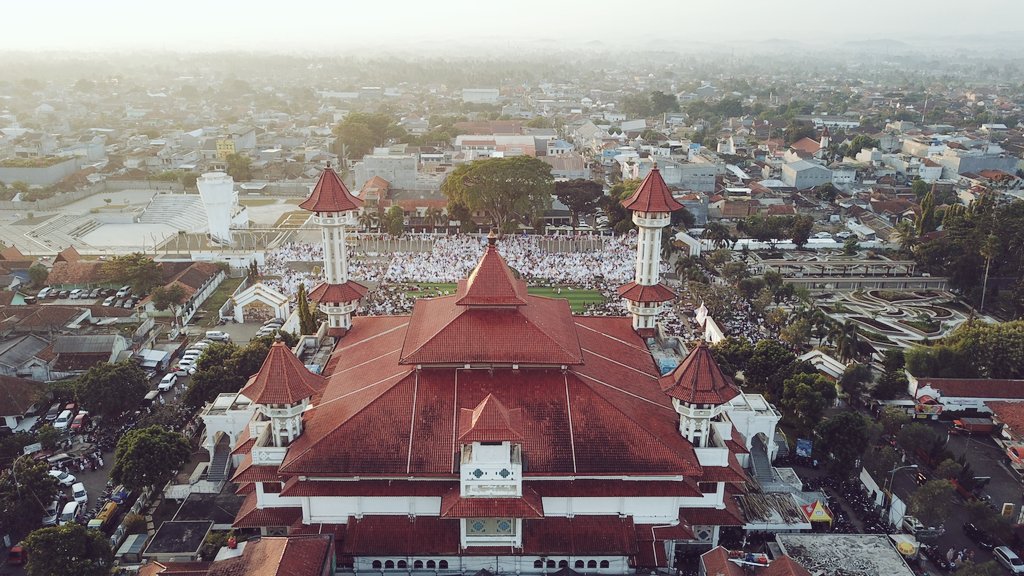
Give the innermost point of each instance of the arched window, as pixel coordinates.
(538, 563)
(604, 563)
(551, 563)
(417, 564)
(563, 563)
(442, 565)
(402, 564)
(389, 564)
(376, 564)
(592, 564)
(431, 565)
(579, 564)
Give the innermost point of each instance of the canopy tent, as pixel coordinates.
(817, 512)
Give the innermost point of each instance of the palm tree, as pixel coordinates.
(718, 234)
(367, 220)
(433, 216)
(847, 340)
(906, 235)
(687, 270)
(989, 249)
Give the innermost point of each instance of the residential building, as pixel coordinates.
(399, 170)
(481, 95)
(18, 397)
(803, 174)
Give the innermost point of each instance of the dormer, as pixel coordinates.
(491, 464)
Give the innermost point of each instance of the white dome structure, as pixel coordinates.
(217, 190)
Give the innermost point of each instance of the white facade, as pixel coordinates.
(217, 190)
(480, 95)
(333, 230)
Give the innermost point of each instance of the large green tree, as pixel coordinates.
(307, 321)
(25, 490)
(932, 503)
(800, 229)
(360, 132)
(239, 167)
(842, 439)
(109, 389)
(580, 196)
(771, 364)
(68, 549)
(149, 456)
(169, 297)
(806, 397)
(136, 270)
(511, 191)
(975, 349)
(37, 275)
(225, 367)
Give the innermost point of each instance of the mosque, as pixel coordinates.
(493, 430)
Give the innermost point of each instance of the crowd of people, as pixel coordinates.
(394, 276)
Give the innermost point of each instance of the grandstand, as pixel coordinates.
(183, 212)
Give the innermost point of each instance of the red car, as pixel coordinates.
(80, 422)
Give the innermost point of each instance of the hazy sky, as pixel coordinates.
(202, 25)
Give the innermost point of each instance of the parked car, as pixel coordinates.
(80, 422)
(70, 512)
(124, 291)
(218, 336)
(183, 368)
(75, 294)
(201, 345)
(53, 412)
(53, 293)
(128, 303)
(167, 382)
(118, 303)
(95, 293)
(44, 292)
(50, 514)
(63, 420)
(1008, 559)
(79, 493)
(63, 294)
(982, 538)
(63, 477)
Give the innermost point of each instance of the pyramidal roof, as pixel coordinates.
(330, 195)
(491, 283)
(490, 421)
(699, 380)
(652, 195)
(282, 379)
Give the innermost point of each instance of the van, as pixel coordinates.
(79, 493)
(124, 291)
(75, 294)
(70, 512)
(63, 421)
(218, 336)
(150, 397)
(1008, 559)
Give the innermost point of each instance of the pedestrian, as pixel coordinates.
(101, 461)
(950, 554)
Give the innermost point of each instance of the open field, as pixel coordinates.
(578, 299)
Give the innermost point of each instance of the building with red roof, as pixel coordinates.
(492, 429)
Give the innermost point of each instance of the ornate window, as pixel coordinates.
(703, 533)
(490, 527)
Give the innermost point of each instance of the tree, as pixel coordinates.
(148, 457)
(307, 321)
(798, 130)
(37, 275)
(919, 188)
(359, 133)
(171, 296)
(906, 235)
(25, 490)
(136, 270)
(853, 380)
(847, 340)
(851, 246)
(918, 438)
(860, 142)
(826, 192)
(511, 191)
(769, 366)
(367, 219)
(68, 549)
(732, 354)
(800, 229)
(880, 461)
(926, 221)
(842, 439)
(932, 503)
(807, 396)
(580, 196)
(188, 180)
(796, 333)
(718, 234)
(395, 221)
(215, 374)
(973, 350)
(239, 167)
(948, 469)
(893, 419)
(110, 389)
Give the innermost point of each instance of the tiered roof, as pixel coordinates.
(699, 380)
(330, 195)
(642, 293)
(347, 292)
(282, 379)
(652, 195)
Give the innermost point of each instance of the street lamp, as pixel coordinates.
(892, 478)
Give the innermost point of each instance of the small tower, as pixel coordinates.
(826, 139)
(652, 205)
(281, 392)
(699, 392)
(334, 208)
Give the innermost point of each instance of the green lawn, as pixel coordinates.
(578, 299)
(212, 305)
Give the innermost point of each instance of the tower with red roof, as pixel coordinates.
(281, 392)
(652, 205)
(699, 392)
(334, 209)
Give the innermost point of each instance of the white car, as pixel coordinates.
(201, 345)
(167, 382)
(50, 514)
(183, 367)
(63, 478)
(1008, 559)
(79, 493)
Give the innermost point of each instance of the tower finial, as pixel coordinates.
(328, 164)
(492, 237)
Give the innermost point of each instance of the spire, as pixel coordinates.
(490, 421)
(699, 380)
(491, 283)
(330, 194)
(282, 379)
(652, 195)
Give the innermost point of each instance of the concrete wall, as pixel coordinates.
(43, 176)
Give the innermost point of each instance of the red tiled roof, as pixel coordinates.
(330, 195)
(716, 562)
(490, 421)
(249, 516)
(733, 473)
(975, 387)
(728, 516)
(699, 380)
(282, 379)
(17, 395)
(346, 292)
(580, 536)
(1010, 414)
(401, 536)
(68, 254)
(652, 195)
(784, 566)
(491, 283)
(68, 273)
(249, 472)
(612, 488)
(362, 487)
(307, 555)
(529, 505)
(11, 253)
(641, 293)
(806, 145)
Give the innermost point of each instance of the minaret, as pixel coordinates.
(652, 205)
(826, 139)
(334, 208)
(700, 392)
(281, 392)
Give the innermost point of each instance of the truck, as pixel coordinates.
(974, 426)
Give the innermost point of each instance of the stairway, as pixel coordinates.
(218, 470)
(759, 463)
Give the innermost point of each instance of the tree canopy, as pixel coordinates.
(164, 297)
(68, 549)
(580, 196)
(109, 389)
(359, 132)
(648, 104)
(806, 397)
(239, 167)
(842, 439)
(973, 350)
(932, 503)
(225, 367)
(148, 457)
(136, 270)
(25, 489)
(511, 191)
